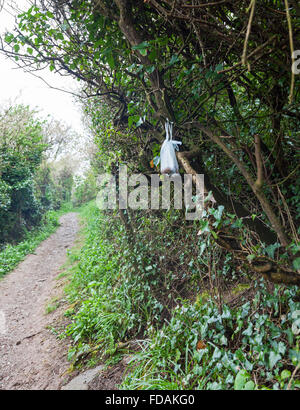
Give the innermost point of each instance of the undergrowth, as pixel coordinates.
(115, 304)
(249, 347)
(181, 332)
(13, 254)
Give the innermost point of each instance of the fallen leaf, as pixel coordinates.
(201, 345)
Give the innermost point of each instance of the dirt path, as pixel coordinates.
(31, 356)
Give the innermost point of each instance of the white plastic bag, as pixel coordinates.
(168, 160)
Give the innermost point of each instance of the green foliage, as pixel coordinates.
(138, 80)
(48, 191)
(5, 199)
(21, 149)
(12, 255)
(194, 343)
(28, 187)
(242, 381)
(115, 303)
(202, 347)
(65, 184)
(85, 189)
(140, 65)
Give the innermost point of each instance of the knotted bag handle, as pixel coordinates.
(169, 134)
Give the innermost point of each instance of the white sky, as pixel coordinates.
(29, 90)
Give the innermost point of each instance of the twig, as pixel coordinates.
(290, 219)
(286, 178)
(293, 375)
(288, 17)
(196, 6)
(244, 56)
(250, 55)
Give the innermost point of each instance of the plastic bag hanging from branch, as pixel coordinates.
(168, 160)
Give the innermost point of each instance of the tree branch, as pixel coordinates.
(278, 228)
(259, 163)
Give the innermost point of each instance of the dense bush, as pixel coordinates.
(21, 150)
(28, 188)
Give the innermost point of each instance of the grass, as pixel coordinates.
(107, 309)
(12, 255)
(201, 345)
(51, 307)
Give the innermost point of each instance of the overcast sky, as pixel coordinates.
(25, 88)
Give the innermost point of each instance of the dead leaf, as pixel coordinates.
(201, 345)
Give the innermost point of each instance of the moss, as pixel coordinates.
(240, 288)
(202, 298)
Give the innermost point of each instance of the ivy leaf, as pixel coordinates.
(249, 330)
(174, 60)
(223, 340)
(202, 248)
(296, 263)
(250, 257)
(249, 385)
(270, 250)
(217, 354)
(150, 69)
(219, 212)
(274, 358)
(218, 68)
(285, 374)
(240, 380)
(142, 47)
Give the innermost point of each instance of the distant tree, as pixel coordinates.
(85, 189)
(58, 137)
